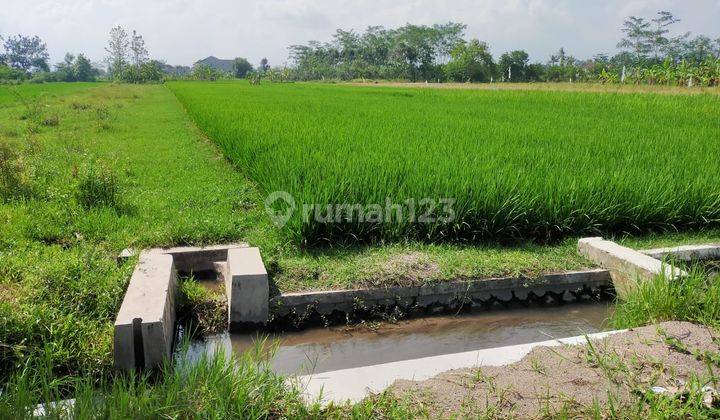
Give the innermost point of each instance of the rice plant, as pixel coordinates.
(518, 164)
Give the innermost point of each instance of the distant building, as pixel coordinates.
(176, 70)
(225, 66)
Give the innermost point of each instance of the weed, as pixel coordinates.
(694, 298)
(13, 182)
(98, 186)
(33, 108)
(537, 367)
(81, 106)
(51, 120)
(206, 311)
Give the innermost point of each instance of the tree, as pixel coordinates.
(470, 62)
(204, 72)
(560, 58)
(513, 66)
(637, 38)
(264, 65)
(26, 53)
(414, 53)
(241, 67)
(83, 69)
(448, 36)
(9, 73)
(561, 67)
(64, 71)
(151, 71)
(137, 48)
(644, 37)
(118, 51)
(657, 40)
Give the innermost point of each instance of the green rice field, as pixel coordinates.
(517, 165)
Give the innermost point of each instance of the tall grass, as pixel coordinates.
(520, 164)
(216, 385)
(213, 386)
(695, 298)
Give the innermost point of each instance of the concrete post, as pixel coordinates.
(145, 324)
(626, 265)
(247, 288)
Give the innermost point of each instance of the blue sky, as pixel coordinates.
(182, 31)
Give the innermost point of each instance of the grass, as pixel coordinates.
(695, 299)
(555, 87)
(215, 386)
(520, 165)
(124, 166)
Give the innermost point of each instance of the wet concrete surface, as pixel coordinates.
(319, 350)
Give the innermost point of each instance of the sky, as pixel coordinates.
(184, 31)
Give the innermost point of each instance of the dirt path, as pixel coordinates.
(581, 379)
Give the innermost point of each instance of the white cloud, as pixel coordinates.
(182, 31)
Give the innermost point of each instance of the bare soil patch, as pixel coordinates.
(614, 371)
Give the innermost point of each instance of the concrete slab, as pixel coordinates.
(247, 287)
(194, 258)
(444, 293)
(356, 383)
(686, 253)
(145, 324)
(627, 265)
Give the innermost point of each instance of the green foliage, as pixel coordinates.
(13, 175)
(205, 72)
(241, 67)
(147, 72)
(695, 298)
(98, 186)
(8, 73)
(520, 165)
(206, 310)
(514, 66)
(60, 282)
(128, 58)
(214, 386)
(26, 53)
(74, 69)
(118, 51)
(419, 53)
(470, 62)
(410, 52)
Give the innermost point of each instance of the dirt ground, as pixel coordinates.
(581, 379)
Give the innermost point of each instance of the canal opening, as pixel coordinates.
(322, 349)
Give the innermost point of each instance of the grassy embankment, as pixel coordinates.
(88, 172)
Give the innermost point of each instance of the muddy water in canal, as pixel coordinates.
(323, 349)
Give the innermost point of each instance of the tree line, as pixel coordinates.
(26, 57)
(648, 53)
(440, 53)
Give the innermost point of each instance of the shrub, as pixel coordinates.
(10, 74)
(98, 186)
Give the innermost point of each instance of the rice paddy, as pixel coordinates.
(516, 165)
